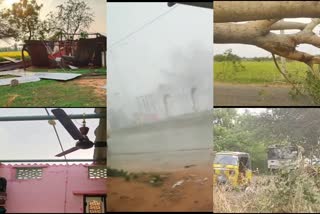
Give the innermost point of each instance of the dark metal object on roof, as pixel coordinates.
(208, 5)
(51, 117)
(89, 50)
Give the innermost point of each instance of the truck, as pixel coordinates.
(280, 156)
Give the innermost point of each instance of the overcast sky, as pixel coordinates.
(99, 24)
(37, 139)
(138, 64)
(253, 51)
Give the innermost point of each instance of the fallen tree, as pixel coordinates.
(254, 23)
(261, 18)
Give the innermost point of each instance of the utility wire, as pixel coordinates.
(143, 26)
(55, 130)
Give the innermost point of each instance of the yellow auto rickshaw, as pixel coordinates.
(232, 168)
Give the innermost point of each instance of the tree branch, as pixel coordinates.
(283, 25)
(237, 11)
(258, 33)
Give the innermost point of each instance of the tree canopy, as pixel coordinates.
(253, 133)
(72, 17)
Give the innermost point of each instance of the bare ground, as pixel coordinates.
(97, 83)
(194, 194)
(226, 94)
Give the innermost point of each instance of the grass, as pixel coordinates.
(257, 72)
(152, 179)
(286, 192)
(49, 93)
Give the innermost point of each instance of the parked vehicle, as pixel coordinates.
(280, 156)
(232, 168)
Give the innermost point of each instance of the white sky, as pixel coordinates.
(37, 139)
(253, 51)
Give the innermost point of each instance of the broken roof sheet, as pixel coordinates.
(27, 76)
(56, 76)
(23, 79)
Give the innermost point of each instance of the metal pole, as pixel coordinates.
(51, 117)
(46, 160)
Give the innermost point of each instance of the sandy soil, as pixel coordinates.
(226, 94)
(97, 83)
(194, 194)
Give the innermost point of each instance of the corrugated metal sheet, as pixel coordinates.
(23, 79)
(56, 76)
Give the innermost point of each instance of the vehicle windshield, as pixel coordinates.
(226, 160)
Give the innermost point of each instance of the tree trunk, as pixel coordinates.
(237, 11)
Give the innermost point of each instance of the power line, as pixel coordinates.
(142, 27)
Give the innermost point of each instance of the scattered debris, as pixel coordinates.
(188, 166)
(28, 76)
(4, 66)
(14, 82)
(73, 67)
(12, 60)
(179, 183)
(57, 76)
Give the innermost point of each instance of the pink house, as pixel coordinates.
(55, 188)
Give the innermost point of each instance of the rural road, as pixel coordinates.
(227, 94)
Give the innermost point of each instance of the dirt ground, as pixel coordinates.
(97, 83)
(194, 194)
(226, 94)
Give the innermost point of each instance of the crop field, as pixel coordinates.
(12, 54)
(257, 72)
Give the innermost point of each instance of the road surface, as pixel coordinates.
(226, 94)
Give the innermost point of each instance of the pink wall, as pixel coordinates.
(59, 190)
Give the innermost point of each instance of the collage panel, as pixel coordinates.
(266, 160)
(264, 56)
(266, 98)
(159, 106)
(53, 160)
(53, 53)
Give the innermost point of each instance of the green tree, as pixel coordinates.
(71, 18)
(299, 126)
(233, 132)
(24, 18)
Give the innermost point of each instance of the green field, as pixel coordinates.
(257, 72)
(52, 93)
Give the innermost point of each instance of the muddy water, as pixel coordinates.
(164, 146)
